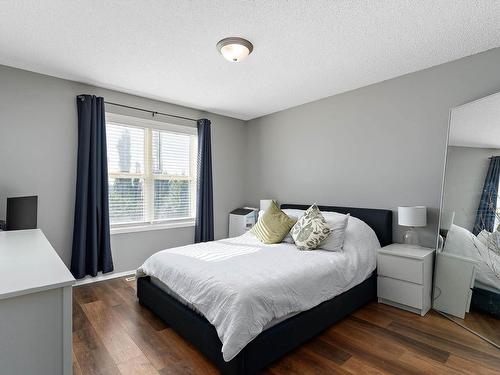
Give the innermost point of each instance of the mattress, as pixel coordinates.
(171, 293)
(243, 287)
(489, 288)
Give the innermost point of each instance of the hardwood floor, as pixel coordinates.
(113, 334)
(483, 324)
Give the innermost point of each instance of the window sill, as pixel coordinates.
(149, 227)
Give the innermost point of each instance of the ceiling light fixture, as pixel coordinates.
(234, 49)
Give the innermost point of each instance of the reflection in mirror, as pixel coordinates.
(467, 273)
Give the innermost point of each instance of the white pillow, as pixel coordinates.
(359, 240)
(495, 238)
(359, 236)
(338, 226)
(490, 240)
(295, 215)
(483, 237)
(336, 221)
(460, 241)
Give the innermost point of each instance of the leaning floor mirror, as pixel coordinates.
(467, 271)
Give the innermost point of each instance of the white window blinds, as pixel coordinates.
(152, 171)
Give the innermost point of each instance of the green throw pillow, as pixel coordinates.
(273, 226)
(310, 230)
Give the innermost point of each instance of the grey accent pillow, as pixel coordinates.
(338, 226)
(310, 230)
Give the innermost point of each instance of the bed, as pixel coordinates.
(247, 351)
(486, 292)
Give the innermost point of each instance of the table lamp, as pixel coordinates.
(414, 216)
(265, 203)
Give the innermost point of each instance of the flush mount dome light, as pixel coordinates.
(234, 49)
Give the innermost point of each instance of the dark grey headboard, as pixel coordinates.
(379, 220)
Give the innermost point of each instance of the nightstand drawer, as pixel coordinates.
(400, 268)
(400, 292)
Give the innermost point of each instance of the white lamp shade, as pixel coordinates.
(415, 216)
(265, 203)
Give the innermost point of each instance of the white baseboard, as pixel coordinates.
(90, 279)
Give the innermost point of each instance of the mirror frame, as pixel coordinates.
(438, 248)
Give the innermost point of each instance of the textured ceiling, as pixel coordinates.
(476, 124)
(304, 50)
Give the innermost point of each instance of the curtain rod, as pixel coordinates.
(153, 113)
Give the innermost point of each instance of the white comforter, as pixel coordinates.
(240, 284)
(460, 241)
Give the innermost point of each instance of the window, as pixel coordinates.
(152, 172)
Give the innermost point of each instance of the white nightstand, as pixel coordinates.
(455, 277)
(241, 220)
(405, 277)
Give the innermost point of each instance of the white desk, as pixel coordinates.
(35, 306)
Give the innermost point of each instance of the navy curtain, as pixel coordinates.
(204, 230)
(91, 243)
(485, 218)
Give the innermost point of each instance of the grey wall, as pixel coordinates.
(38, 145)
(379, 146)
(466, 169)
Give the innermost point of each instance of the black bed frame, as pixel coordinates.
(486, 301)
(280, 339)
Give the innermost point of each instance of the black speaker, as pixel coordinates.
(22, 212)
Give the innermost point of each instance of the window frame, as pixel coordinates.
(149, 177)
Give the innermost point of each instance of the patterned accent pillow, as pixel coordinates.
(310, 230)
(273, 225)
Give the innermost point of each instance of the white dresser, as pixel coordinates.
(35, 306)
(405, 277)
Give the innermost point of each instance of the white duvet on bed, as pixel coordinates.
(240, 284)
(460, 241)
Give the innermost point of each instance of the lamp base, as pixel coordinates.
(411, 237)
